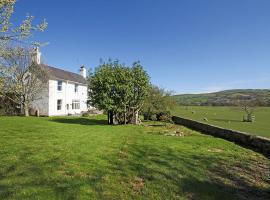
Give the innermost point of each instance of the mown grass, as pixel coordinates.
(83, 158)
(228, 117)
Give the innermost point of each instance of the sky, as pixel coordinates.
(186, 46)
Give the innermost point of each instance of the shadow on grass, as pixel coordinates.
(184, 175)
(80, 120)
(157, 125)
(167, 173)
(226, 120)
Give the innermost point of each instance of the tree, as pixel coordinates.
(248, 117)
(139, 90)
(248, 107)
(120, 90)
(158, 101)
(23, 80)
(12, 71)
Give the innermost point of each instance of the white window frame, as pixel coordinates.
(59, 104)
(59, 85)
(76, 104)
(76, 88)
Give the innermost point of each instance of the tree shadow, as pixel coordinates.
(226, 120)
(174, 174)
(184, 173)
(81, 121)
(191, 173)
(157, 125)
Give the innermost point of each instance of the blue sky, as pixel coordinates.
(187, 46)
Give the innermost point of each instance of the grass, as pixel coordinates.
(228, 117)
(83, 158)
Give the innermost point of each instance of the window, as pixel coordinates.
(76, 88)
(59, 104)
(75, 104)
(59, 85)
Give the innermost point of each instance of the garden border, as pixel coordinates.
(253, 142)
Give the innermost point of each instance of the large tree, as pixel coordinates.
(120, 90)
(15, 62)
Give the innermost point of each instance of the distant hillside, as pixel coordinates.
(256, 97)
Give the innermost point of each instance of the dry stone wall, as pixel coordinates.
(257, 143)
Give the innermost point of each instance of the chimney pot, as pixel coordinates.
(83, 71)
(36, 55)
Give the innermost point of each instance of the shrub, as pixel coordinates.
(85, 114)
(149, 116)
(162, 115)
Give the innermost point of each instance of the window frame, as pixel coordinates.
(76, 88)
(76, 104)
(59, 105)
(59, 86)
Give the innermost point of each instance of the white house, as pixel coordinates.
(66, 92)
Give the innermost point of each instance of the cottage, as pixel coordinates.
(65, 93)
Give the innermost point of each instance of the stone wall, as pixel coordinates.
(257, 143)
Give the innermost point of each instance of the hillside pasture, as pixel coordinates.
(228, 117)
(84, 158)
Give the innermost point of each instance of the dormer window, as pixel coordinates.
(59, 85)
(76, 88)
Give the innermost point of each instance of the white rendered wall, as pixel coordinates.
(42, 103)
(66, 95)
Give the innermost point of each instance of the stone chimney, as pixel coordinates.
(36, 56)
(83, 71)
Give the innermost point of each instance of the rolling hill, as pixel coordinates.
(257, 97)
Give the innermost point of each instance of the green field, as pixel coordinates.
(83, 158)
(228, 117)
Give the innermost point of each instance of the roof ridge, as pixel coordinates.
(57, 73)
(61, 69)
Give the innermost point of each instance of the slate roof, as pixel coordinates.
(56, 73)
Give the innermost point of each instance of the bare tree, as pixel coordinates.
(22, 79)
(248, 107)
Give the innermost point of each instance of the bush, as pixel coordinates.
(85, 114)
(149, 116)
(165, 117)
(8, 107)
(162, 115)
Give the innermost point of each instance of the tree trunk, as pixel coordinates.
(110, 117)
(125, 120)
(136, 117)
(26, 111)
(148, 115)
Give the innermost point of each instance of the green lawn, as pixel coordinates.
(228, 117)
(83, 158)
